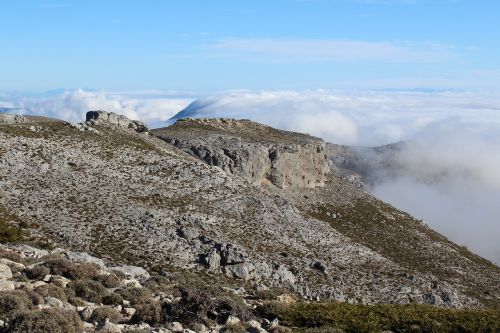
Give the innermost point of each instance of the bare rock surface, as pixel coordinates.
(7, 118)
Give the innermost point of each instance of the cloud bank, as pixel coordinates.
(450, 170)
(152, 107)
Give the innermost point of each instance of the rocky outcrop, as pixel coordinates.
(274, 157)
(7, 118)
(116, 119)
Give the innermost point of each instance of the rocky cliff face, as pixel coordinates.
(248, 149)
(132, 198)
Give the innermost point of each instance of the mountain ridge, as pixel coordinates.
(135, 198)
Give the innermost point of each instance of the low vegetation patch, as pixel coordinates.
(357, 318)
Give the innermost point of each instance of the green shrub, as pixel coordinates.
(270, 294)
(202, 306)
(47, 320)
(112, 299)
(76, 301)
(11, 255)
(36, 298)
(12, 302)
(109, 280)
(52, 291)
(89, 290)
(135, 295)
(10, 233)
(234, 328)
(37, 272)
(102, 313)
(159, 284)
(71, 270)
(148, 311)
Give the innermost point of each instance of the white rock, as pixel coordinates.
(53, 302)
(133, 272)
(253, 323)
(31, 252)
(275, 323)
(130, 283)
(7, 285)
(129, 312)
(5, 272)
(108, 327)
(37, 284)
(82, 257)
(174, 326)
(232, 320)
(12, 264)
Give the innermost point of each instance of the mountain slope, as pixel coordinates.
(133, 198)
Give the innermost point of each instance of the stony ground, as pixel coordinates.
(131, 198)
(64, 291)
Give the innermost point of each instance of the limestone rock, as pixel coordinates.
(174, 326)
(108, 327)
(5, 272)
(53, 302)
(133, 272)
(257, 152)
(6, 118)
(7, 285)
(12, 264)
(116, 119)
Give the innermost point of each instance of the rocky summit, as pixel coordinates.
(223, 202)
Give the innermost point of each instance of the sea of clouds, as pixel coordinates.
(451, 165)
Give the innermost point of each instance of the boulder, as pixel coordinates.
(100, 116)
(212, 261)
(133, 272)
(81, 257)
(30, 252)
(12, 264)
(7, 285)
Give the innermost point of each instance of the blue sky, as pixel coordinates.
(273, 44)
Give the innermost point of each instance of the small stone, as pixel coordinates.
(174, 326)
(53, 302)
(37, 284)
(108, 327)
(253, 323)
(232, 320)
(129, 312)
(274, 323)
(130, 283)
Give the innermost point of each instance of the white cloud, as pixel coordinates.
(311, 50)
(356, 118)
(152, 107)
